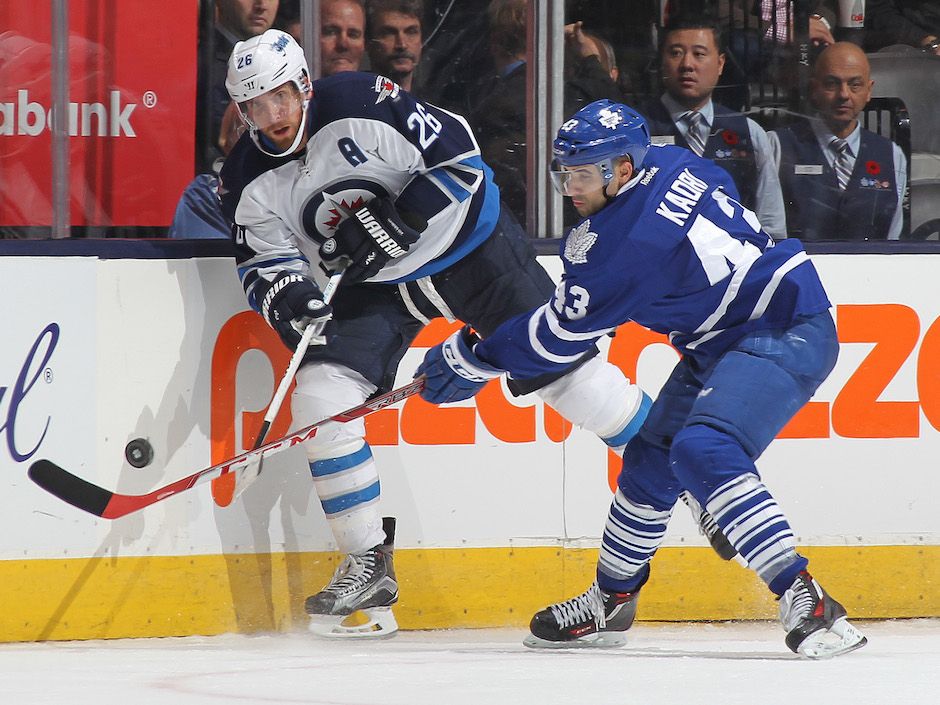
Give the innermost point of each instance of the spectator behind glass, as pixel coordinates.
(235, 20)
(692, 58)
(912, 22)
(759, 43)
(393, 29)
(499, 119)
(840, 181)
(342, 32)
(342, 45)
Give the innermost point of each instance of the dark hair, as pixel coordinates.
(694, 20)
(289, 11)
(507, 19)
(413, 8)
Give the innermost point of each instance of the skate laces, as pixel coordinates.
(799, 602)
(353, 573)
(586, 606)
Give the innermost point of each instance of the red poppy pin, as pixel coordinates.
(873, 168)
(730, 138)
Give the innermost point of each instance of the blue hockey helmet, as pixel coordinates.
(600, 133)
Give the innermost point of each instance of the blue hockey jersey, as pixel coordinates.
(674, 251)
(368, 138)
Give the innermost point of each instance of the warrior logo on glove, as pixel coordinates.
(370, 238)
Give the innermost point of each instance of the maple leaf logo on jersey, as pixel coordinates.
(610, 118)
(386, 88)
(340, 210)
(579, 241)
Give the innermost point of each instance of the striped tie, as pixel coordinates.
(694, 136)
(841, 163)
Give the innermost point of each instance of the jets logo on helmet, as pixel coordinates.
(260, 65)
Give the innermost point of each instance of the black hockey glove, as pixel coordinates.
(291, 302)
(369, 239)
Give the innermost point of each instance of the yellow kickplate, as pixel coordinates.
(92, 598)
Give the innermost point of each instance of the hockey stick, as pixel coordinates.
(225, 489)
(111, 505)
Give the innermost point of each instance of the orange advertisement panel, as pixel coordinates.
(132, 89)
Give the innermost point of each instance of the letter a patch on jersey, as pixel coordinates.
(579, 241)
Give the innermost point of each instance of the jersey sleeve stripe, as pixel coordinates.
(537, 345)
(447, 183)
(554, 325)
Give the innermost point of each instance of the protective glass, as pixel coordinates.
(271, 108)
(576, 180)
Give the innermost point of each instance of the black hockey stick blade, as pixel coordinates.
(69, 488)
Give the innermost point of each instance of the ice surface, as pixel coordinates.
(668, 664)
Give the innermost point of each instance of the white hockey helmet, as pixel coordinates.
(258, 66)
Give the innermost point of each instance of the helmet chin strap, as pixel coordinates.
(260, 140)
(608, 198)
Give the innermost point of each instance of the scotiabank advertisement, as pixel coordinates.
(131, 113)
(112, 350)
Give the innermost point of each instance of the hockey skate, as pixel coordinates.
(816, 624)
(593, 619)
(709, 528)
(365, 583)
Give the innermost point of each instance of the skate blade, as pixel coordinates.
(372, 623)
(841, 638)
(601, 640)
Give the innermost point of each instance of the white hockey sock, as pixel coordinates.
(349, 489)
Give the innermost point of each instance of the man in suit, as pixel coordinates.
(840, 181)
(692, 59)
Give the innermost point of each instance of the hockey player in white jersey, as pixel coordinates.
(664, 242)
(352, 170)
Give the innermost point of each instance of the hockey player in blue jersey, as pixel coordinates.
(665, 242)
(352, 169)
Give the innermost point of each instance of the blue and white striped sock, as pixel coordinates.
(632, 535)
(755, 525)
(349, 490)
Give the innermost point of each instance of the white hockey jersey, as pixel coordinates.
(368, 138)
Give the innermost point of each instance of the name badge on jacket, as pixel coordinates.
(662, 139)
(807, 169)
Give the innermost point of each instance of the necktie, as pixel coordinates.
(841, 163)
(694, 137)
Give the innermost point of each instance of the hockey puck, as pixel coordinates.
(139, 452)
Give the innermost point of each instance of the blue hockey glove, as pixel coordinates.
(291, 302)
(369, 239)
(453, 372)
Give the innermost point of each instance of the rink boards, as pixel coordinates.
(500, 504)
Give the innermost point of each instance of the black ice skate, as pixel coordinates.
(709, 528)
(363, 582)
(816, 624)
(595, 618)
